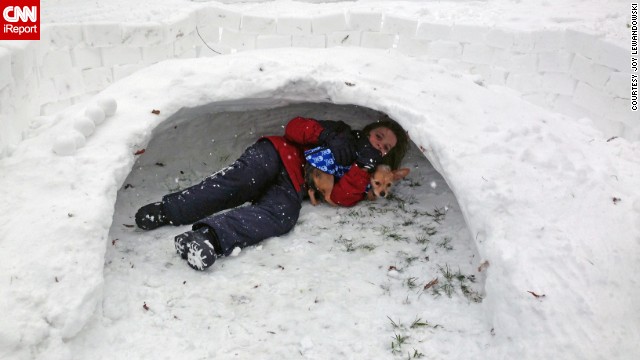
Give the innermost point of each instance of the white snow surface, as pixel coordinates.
(537, 216)
(608, 18)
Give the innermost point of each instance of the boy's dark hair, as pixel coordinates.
(395, 156)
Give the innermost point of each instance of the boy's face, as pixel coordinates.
(383, 139)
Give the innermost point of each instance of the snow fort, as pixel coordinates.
(516, 234)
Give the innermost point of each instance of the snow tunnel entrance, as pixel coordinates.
(335, 261)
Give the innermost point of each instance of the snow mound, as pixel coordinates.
(551, 204)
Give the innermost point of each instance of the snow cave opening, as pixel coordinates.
(422, 211)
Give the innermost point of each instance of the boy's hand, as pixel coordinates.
(341, 144)
(368, 156)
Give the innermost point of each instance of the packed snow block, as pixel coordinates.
(180, 27)
(6, 98)
(102, 34)
(632, 131)
(499, 38)
(468, 33)
(56, 62)
(586, 71)
(41, 49)
(156, 53)
(32, 104)
(273, 41)
(84, 57)
(237, 40)
(525, 83)
(258, 24)
(612, 55)
(10, 133)
(186, 53)
(365, 21)
(498, 76)
(309, 41)
(433, 31)
(143, 34)
(413, 47)
(326, 24)
(47, 91)
(185, 45)
(609, 127)
(12, 98)
(564, 105)
(486, 74)
(6, 74)
(122, 71)
(523, 41)
(442, 49)
(477, 54)
(97, 79)
(23, 95)
(480, 73)
(61, 35)
(619, 85)
(216, 17)
(620, 110)
(549, 40)
(558, 83)
(69, 84)
(212, 49)
(402, 26)
(293, 26)
(557, 61)
(23, 58)
(516, 62)
(119, 55)
(377, 40)
(581, 42)
(591, 99)
(523, 62)
(208, 34)
(343, 38)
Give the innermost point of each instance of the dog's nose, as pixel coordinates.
(383, 194)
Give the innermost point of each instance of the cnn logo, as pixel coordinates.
(20, 20)
(16, 13)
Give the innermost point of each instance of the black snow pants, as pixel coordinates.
(258, 177)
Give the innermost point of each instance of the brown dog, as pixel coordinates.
(382, 180)
(321, 183)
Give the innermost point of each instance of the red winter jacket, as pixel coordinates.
(301, 134)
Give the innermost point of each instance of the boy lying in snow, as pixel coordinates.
(269, 175)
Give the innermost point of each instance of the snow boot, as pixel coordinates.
(180, 243)
(197, 247)
(151, 216)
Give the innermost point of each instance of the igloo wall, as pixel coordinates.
(576, 73)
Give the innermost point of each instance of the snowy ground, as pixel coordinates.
(547, 202)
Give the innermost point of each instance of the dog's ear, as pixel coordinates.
(400, 174)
